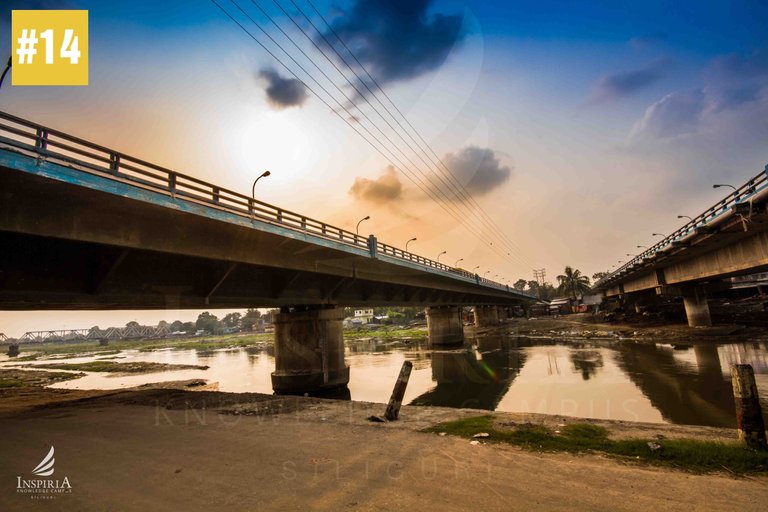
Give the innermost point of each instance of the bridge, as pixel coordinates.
(88, 227)
(95, 334)
(726, 240)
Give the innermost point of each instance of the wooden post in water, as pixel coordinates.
(749, 417)
(393, 408)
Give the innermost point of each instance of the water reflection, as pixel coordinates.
(677, 383)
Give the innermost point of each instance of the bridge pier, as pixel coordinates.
(13, 350)
(504, 314)
(486, 316)
(445, 325)
(309, 350)
(696, 307)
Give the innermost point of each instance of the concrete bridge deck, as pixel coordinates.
(726, 240)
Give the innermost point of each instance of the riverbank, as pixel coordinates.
(201, 450)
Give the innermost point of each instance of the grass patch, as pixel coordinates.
(384, 333)
(685, 454)
(186, 343)
(113, 367)
(10, 383)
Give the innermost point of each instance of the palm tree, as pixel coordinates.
(573, 283)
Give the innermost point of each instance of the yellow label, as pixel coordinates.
(49, 47)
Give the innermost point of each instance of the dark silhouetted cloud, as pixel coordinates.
(619, 85)
(282, 92)
(397, 39)
(479, 169)
(384, 189)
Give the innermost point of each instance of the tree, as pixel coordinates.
(207, 322)
(231, 320)
(188, 327)
(162, 323)
(133, 324)
(177, 326)
(250, 319)
(572, 283)
(519, 284)
(599, 275)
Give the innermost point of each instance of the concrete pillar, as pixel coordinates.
(503, 313)
(445, 325)
(13, 350)
(696, 307)
(486, 316)
(309, 350)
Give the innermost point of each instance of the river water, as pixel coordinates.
(607, 379)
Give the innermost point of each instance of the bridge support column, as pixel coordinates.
(486, 316)
(309, 350)
(445, 325)
(13, 350)
(696, 307)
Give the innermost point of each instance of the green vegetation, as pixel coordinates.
(386, 333)
(112, 367)
(114, 347)
(14, 378)
(572, 283)
(680, 453)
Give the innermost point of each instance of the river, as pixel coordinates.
(606, 379)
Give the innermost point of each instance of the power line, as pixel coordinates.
(325, 102)
(415, 168)
(462, 190)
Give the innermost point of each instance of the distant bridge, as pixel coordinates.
(113, 333)
(726, 240)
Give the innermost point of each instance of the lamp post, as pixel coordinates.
(657, 234)
(457, 262)
(486, 273)
(253, 188)
(409, 241)
(357, 228)
(718, 185)
(641, 247)
(685, 217)
(438, 256)
(477, 267)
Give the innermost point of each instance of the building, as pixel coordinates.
(364, 315)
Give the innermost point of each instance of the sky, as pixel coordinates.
(578, 127)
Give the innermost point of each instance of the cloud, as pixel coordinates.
(647, 40)
(733, 86)
(619, 85)
(675, 114)
(282, 92)
(397, 39)
(384, 189)
(479, 169)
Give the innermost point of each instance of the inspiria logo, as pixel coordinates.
(44, 488)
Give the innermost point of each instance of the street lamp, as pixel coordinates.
(641, 247)
(477, 267)
(457, 262)
(438, 256)
(253, 189)
(409, 241)
(657, 234)
(685, 217)
(724, 185)
(357, 228)
(486, 273)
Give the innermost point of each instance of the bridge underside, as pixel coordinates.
(95, 243)
(52, 274)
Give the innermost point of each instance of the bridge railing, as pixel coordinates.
(82, 155)
(742, 195)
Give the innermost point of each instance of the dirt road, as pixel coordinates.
(121, 456)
